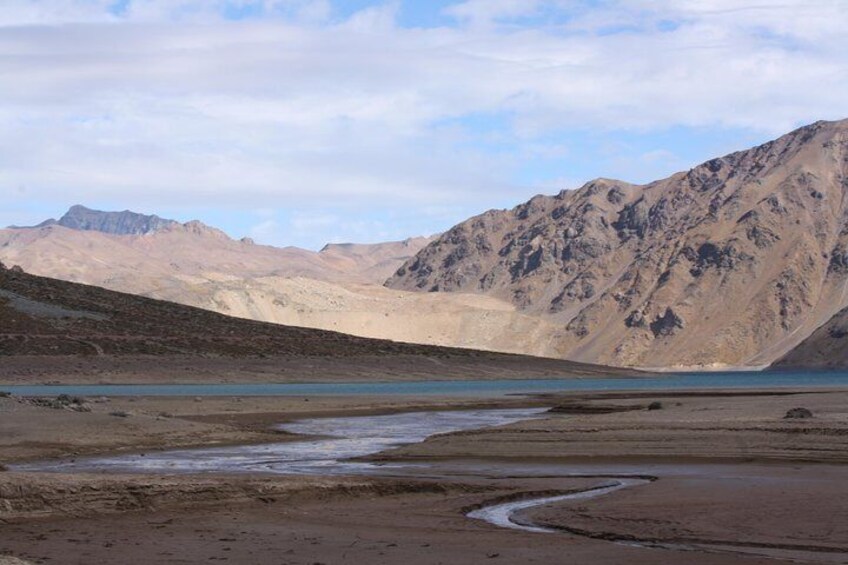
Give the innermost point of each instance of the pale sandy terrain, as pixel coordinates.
(367, 310)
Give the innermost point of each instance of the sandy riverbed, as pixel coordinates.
(731, 470)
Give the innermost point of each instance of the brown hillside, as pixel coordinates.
(731, 263)
(42, 317)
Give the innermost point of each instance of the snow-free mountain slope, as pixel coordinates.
(731, 263)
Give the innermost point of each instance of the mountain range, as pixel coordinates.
(339, 288)
(733, 263)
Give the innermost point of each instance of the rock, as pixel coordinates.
(633, 220)
(655, 405)
(798, 413)
(118, 223)
(636, 319)
(667, 324)
(711, 255)
(838, 261)
(615, 195)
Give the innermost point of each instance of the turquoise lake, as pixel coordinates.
(676, 381)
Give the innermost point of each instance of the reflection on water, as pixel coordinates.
(341, 438)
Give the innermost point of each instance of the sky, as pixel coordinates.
(302, 122)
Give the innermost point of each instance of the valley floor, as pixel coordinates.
(736, 483)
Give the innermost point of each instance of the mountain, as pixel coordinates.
(376, 261)
(825, 348)
(339, 288)
(732, 263)
(119, 223)
(125, 250)
(48, 318)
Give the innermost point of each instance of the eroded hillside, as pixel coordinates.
(731, 263)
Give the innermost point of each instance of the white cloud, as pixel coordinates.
(167, 98)
(44, 12)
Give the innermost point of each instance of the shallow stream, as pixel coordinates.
(327, 445)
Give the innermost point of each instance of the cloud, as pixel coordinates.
(488, 11)
(287, 103)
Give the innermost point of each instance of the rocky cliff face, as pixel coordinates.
(733, 262)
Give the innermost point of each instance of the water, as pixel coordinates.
(732, 380)
(504, 514)
(341, 439)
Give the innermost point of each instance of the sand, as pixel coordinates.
(736, 484)
(708, 426)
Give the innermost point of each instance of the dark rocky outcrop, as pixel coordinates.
(666, 324)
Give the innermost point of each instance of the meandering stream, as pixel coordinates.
(505, 514)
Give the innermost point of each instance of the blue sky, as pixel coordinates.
(299, 122)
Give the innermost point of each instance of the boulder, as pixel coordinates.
(798, 413)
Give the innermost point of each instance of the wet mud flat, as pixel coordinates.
(412, 503)
(705, 515)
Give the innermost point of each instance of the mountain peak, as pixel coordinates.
(79, 217)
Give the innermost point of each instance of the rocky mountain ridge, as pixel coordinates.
(731, 263)
(79, 217)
